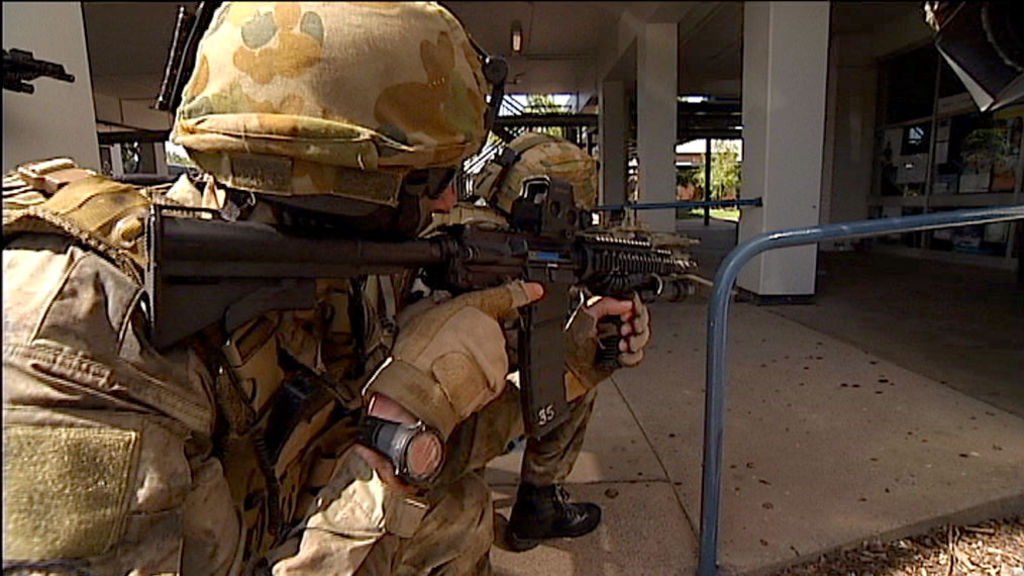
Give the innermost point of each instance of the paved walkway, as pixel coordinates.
(826, 445)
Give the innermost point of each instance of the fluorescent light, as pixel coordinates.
(517, 37)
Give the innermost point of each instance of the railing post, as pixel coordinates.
(718, 310)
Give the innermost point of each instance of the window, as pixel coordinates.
(937, 151)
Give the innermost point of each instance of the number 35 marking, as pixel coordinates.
(546, 414)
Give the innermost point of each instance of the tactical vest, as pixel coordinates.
(286, 383)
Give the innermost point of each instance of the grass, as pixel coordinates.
(732, 215)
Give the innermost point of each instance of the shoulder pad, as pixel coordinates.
(105, 215)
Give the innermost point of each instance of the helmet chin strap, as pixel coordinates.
(495, 71)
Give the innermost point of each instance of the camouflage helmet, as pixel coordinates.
(537, 154)
(304, 99)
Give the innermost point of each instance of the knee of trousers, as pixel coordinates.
(462, 516)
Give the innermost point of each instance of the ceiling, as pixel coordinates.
(565, 43)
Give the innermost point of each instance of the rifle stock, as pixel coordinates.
(204, 270)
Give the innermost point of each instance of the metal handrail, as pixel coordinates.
(718, 308)
(683, 204)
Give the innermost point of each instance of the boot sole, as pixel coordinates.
(517, 544)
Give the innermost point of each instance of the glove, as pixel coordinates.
(450, 360)
(634, 332)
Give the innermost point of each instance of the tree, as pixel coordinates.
(545, 104)
(725, 170)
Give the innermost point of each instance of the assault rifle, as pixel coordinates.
(20, 67)
(204, 270)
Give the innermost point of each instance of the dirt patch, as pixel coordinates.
(992, 548)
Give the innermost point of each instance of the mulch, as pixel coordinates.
(991, 548)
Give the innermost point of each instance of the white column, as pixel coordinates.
(854, 74)
(58, 119)
(656, 62)
(612, 119)
(785, 58)
(116, 161)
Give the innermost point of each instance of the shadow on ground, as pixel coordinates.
(962, 326)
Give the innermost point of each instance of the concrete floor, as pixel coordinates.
(961, 326)
(890, 405)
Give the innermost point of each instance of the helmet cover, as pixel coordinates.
(537, 154)
(331, 98)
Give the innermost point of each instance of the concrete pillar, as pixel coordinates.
(852, 82)
(160, 155)
(785, 59)
(58, 119)
(657, 71)
(116, 161)
(613, 118)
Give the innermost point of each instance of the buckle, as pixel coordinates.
(52, 174)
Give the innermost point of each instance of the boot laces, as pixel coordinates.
(562, 502)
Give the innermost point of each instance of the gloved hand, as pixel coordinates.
(450, 360)
(634, 332)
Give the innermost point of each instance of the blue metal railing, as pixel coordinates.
(687, 204)
(718, 308)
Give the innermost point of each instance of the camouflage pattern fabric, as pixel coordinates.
(106, 451)
(331, 98)
(116, 440)
(539, 154)
(549, 460)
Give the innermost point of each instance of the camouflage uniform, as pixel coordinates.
(120, 458)
(549, 460)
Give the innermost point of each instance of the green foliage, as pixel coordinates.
(984, 146)
(725, 171)
(688, 176)
(545, 104)
(176, 156)
(731, 214)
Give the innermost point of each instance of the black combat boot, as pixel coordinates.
(542, 512)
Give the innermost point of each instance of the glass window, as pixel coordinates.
(908, 82)
(977, 153)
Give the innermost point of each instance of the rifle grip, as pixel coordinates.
(608, 338)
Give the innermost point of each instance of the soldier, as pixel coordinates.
(256, 449)
(541, 509)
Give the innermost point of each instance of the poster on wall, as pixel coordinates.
(988, 152)
(1005, 164)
